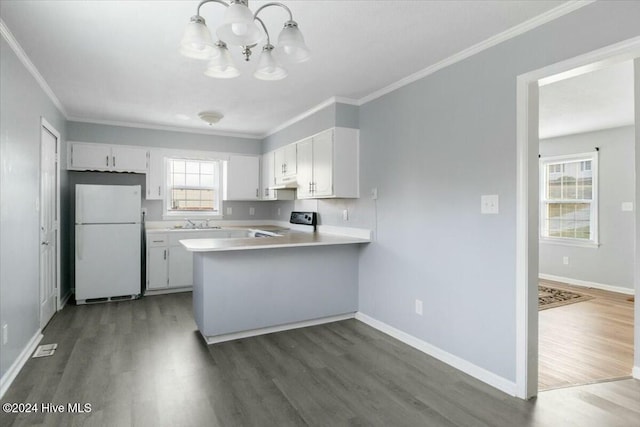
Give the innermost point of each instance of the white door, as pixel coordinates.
(108, 260)
(157, 267)
(129, 159)
(92, 156)
(108, 204)
(48, 225)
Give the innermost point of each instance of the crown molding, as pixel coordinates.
(519, 29)
(311, 111)
(164, 128)
(22, 56)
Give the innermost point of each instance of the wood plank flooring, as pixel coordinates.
(585, 342)
(142, 363)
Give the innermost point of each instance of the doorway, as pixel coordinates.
(49, 204)
(586, 251)
(527, 244)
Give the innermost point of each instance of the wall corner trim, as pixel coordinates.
(465, 366)
(24, 59)
(18, 364)
(635, 372)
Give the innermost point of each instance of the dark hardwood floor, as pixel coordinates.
(142, 363)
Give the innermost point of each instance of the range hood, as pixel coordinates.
(286, 184)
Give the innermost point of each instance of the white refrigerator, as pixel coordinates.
(107, 241)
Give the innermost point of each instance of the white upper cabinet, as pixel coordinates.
(268, 177)
(328, 165)
(285, 164)
(241, 178)
(156, 177)
(105, 157)
(269, 180)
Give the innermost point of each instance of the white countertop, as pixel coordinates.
(286, 240)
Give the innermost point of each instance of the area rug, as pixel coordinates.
(552, 297)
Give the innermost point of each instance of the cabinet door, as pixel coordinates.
(279, 164)
(268, 177)
(290, 159)
(157, 267)
(323, 164)
(305, 168)
(127, 159)
(180, 267)
(242, 181)
(156, 175)
(90, 156)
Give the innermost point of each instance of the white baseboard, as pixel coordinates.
(586, 284)
(14, 369)
(475, 371)
(64, 300)
(279, 328)
(635, 372)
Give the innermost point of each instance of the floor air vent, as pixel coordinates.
(45, 350)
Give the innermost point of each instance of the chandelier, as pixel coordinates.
(240, 28)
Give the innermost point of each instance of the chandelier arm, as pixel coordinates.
(209, 1)
(255, 15)
(264, 27)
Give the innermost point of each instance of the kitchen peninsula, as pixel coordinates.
(252, 286)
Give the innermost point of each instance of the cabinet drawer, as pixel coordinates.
(154, 240)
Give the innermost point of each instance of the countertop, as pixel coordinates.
(271, 228)
(287, 239)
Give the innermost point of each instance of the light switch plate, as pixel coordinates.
(627, 206)
(229, 210)
(489, 204)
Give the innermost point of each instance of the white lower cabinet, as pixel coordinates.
(157, 273)
(169, 264)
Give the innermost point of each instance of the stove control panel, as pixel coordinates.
(304, 218)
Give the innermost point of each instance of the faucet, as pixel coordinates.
(190, 224)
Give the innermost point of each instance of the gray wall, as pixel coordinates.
(336, 114)
(432, 148)
(612, 263)
(22, 103)
(107, 134)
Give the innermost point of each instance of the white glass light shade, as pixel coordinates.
(268, 68)
(291, 46)
(239, 28)
(196, 41)
(221, 65)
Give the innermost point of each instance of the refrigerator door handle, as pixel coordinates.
(79, 208)
(79, 240)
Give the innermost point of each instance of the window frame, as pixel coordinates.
(172, 215)
(594, 240)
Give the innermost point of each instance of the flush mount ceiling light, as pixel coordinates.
(211, 117)
(239, 28)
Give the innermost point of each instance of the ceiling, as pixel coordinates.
(601, 99)
(118, 61)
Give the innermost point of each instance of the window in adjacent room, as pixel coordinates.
(569, 203)
(193, 187)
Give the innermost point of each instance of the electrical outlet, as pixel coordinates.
(419, 307)
(345, 215)
(565, 260)
(374, 193)
(627, 207)
(5, 334)
(252, 211)
(489, 204)
(144, 211)
(278, 211)
(229, 210)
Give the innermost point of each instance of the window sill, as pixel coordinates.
(570, 242)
